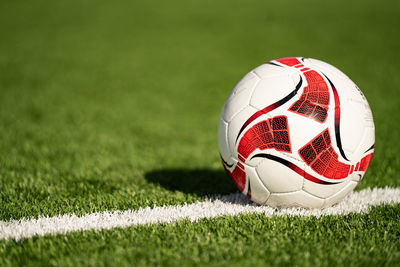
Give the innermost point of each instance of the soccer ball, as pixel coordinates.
(296, 132)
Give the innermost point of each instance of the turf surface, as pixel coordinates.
(353, 240)
(114, 105)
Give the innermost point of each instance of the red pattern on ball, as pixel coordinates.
(268, 134)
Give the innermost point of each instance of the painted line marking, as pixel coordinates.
(233, 204)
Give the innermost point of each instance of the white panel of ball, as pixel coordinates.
(239, 97)
(277, 178)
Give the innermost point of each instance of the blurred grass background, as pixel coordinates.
(114, 105)
(100, 98)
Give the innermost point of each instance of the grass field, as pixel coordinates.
(114, 106)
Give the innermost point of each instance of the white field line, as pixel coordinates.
(233, 204)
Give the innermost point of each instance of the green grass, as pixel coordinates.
(114, 105)
(252, 240)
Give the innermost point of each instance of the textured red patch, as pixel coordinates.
(269, 134)
(320, 155)
(314, 100)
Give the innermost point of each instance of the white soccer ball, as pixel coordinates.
(296, 132)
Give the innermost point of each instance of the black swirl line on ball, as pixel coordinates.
(270, 107)
(226, 163)
(272, 63)
(337, 118)
(369, 149)
(294, 167)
